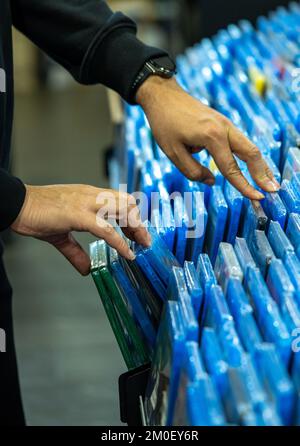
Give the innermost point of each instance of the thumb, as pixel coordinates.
(73, 251)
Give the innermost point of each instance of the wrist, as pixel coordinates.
(152, 88)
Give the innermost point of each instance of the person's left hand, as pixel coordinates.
(182, 125)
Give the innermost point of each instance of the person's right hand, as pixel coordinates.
(51, 213)
(182, 125)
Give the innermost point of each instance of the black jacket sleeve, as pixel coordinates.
(12, 196)
(94, 44)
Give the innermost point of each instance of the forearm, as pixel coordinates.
(87, 38)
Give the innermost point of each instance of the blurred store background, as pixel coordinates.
(68, 359)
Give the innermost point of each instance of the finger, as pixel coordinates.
(133, 227)
(104, 230)
(74, 253)
(194, 171)
(123, 208)
(248, 152)
(229, 168)
(142, 237)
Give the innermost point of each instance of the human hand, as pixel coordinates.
(183, 125)
(51, 213)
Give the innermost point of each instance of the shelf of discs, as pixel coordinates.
(211, 311)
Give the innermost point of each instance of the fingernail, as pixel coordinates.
(273, 185)
(259, 196)
(209, 182)
(149, 240)
(131, 255)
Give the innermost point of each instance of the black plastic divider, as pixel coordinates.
(132, 387)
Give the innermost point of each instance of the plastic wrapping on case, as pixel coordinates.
(139, 311)
(204, 406)
(130, 342)
(243, 254)
(217, 216)
(242, 312)
(146, 292)
(217, 311)
(192, 370)
(235, 202)
(255, 218)
(293, 230)
(261, 251)
(160, 257)
(182, 227)
(227, 265)
(177, 290)
(165, 370)
(292, 266)
(292, 163)
(279, 241)
(274, 208)
(194, 287)
(290, 197)
(213, 359)
(197, 227)
(278, 281)
(239, 407)
(267, 314)
(152, 276)
(275, 379)
(207, 279)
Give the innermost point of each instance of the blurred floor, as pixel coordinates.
(69, 362)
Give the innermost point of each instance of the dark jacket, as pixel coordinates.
(94, 44)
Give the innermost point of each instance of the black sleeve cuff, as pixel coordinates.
(117, 60)
(12, 196)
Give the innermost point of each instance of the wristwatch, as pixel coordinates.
(160, 66)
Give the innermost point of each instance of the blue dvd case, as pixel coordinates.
(207, 278)
(217, 217)
(234, 201)
(194, 287)
(279, 241)
(261, 251)
(278, 282)
(182, 224)
(290, 197)
(255, 218)
(242, 312)
(243, 254)
(293, 230)
(197, 227)
(153, 278)
(204, 406)
(238, 405)
(292, 163)
(163, 382)
(213, 360)
(168, 223)
(217, 310)
(192, 371)
(227, 265)
(230, 343)
(177, 290)
(274, 208)
(276, 381)
(292, 266)
(267, 314)
(160, 257)
(237, 299)
(138, 309)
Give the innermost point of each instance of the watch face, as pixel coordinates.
(164, 63)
